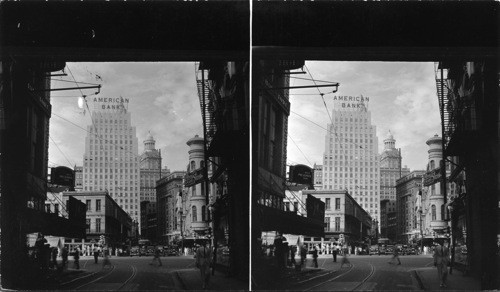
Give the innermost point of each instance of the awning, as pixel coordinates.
(271, 219)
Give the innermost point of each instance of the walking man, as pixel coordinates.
(76, 256)
(315, 257)
(441, 261)
(156, 257)
(334, 253)
(344, 260)
(395, 255)
(204, 262)
(96, 255)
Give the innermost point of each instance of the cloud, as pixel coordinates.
(402, 99)
(163, 100)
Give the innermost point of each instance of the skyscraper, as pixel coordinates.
(351, 160)
(111, 160)
(390, 170)
(150, 162)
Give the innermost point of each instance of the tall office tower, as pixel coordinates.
(150, 170)
(351, 160)
(111, 160)
(390, 171)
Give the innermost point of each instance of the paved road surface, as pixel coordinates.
(365, 273)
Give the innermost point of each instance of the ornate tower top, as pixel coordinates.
(389, 142)
(149, 143)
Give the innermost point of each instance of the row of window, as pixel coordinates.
(336, 226)
(97, 226)
(97, 205)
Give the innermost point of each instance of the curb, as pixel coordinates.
(179, 284)
(419, 280)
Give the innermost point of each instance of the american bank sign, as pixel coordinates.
(110, 102)
(347, 101)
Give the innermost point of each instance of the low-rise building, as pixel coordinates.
(346, 222)
(108, 225)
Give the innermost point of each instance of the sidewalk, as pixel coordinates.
(190, 279)
(428, 280)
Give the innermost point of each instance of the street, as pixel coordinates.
(366, 273)
(129, 273)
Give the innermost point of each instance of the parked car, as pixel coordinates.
(172, 252)
(135, 251)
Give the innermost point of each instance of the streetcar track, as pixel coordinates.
(134, 273)
(372, 271)
(95, 280)
(331, 280)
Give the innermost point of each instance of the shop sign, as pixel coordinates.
(315, 208)
(62, 175)
(77, 211)
(301, 174)
(432, 177)
(195, 177)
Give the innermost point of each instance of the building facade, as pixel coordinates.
(196, 192)
(318, 176)
(390, 170)
(111, 160)
(169, 190)
(150, 170)
(108, 225)
(407, 201)
(346, 222)
(149, 221)
(433, 204)
(351, 160)
(78, 178)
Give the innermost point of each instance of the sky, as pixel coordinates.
(163, 100)
(402, 96)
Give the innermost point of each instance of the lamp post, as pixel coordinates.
(421, 232)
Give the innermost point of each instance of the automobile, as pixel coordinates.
(411, 251)
(373, 250)
(135, 251)
(172, 252)
(150, 250)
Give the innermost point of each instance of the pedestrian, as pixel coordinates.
(279, 253)
(156, 257)
(344, 260)
(96, 254)
(293, 251)
(106, 261)
(334, 253)
(76, 257)
(395, 255)
(441, 261)
(204, 263)
(303, 254)
(64, 256)
(315, 257)
(54, 257)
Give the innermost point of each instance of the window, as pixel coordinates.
(195, 216)
(47, 208)
(327, 223)
(296, 206)
(193, 165)
(98, 205)
(337, 223)
(88, 225)
(327, 203)
(88, 205)
(287, 206)
(433, 210)
(337, 203)
(98, 225)
(442, 212)
(56, 208)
